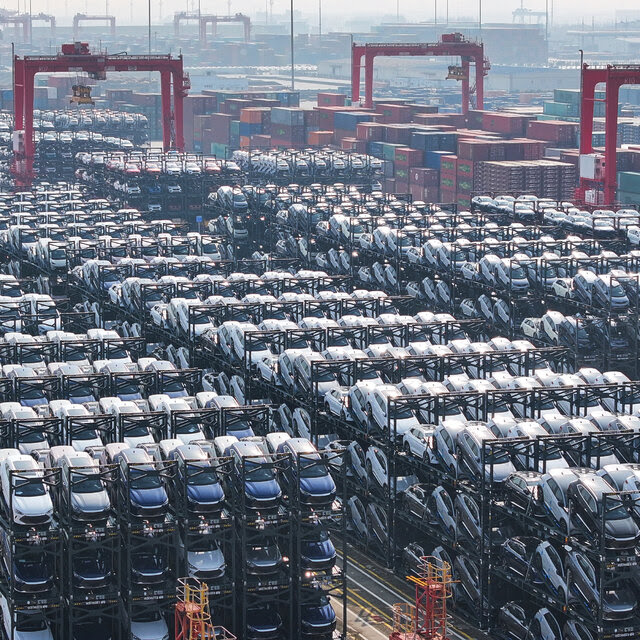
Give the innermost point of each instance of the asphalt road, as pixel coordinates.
(373, 590)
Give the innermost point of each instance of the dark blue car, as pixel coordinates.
(309, 471)
(261, 489)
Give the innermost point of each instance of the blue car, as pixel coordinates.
(317, 619)
(147, 496)
(315, 484)
(317, 553)
(261, 489)
(203, 488)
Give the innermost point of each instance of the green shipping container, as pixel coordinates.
(561, 109)
(629, 181)
(235, 128)
(624, 197)
(389, 150)
(220, 150)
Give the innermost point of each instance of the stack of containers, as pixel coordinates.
(254, 121)
(404, 159)
(561, 134)
(448, 178)
(345, 123)
(370, 132)
(287, 127)
(424, 184)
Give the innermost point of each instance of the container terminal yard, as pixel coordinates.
(319, 326)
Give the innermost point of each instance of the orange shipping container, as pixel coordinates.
(319, 138)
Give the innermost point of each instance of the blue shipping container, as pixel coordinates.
(434, 158)
(348, 120)
(376, 149)
(250, 128)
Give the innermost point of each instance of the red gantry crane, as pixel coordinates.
(451, 44)
(78, 58)
(598, 178)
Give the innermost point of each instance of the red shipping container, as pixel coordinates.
(447, 196)
(505, 123)
(260, 141)
(320, 138)
(331, 99)
(465, 167)
(423, 177)
(255, 115)
(407, 157)
(402, 174)
(353, 144)
(449, 163)
(556, 131)
(448, 180)
(370, 131)
(390, 185)
(393, 113)
(401, 187)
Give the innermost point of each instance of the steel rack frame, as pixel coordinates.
(199, 527)
(307, 521)
(153, 422)
(250, 527)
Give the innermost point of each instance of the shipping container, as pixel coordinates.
(407, 157)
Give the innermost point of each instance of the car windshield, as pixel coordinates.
(324, 376)
(255, 472)
(312, 467)
(517, 272)
(617, 291)
(201, 476)
(28, 489)
(144, 479)
(86, 483)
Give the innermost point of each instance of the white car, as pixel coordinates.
(149, 625)
(417, 441)
(28, 625)
(30, 502)
(336, 402)
(377, 466)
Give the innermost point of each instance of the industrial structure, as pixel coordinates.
(77, 57)
(206, 19)
(453, 45)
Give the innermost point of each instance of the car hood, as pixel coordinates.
(206, 560)
(317, 549)
(150, 630)
(32, 506)
(263, 620)
(90, 502)
(148, 497)
(318, 614)
(264, 489)
(205, 494)
(317, 486)
(623, 529)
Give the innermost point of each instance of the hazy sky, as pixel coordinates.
(334, 10)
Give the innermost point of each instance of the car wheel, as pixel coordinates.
(407, 448)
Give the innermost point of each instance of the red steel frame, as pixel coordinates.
(80, 17)
(613, 76)
(450, 45)
(96, 65)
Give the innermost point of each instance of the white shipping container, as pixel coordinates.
(591, 166)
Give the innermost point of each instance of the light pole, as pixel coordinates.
(319, 19)
(293, 77)
(480, 15)
(435, 11)
(149, 33)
